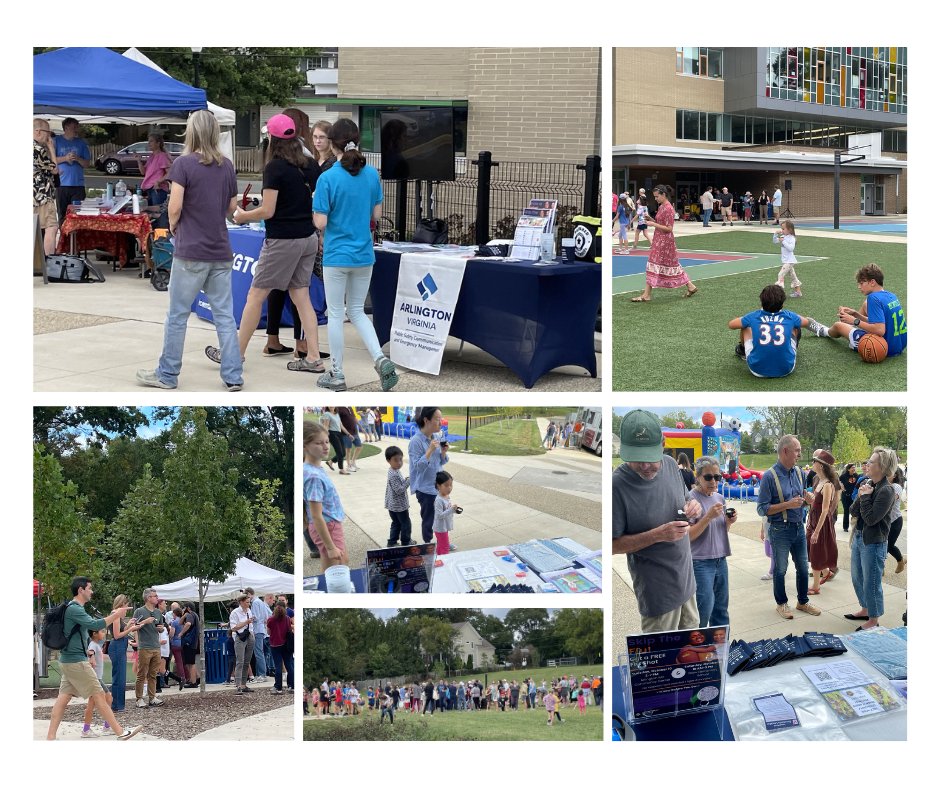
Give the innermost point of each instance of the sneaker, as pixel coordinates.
(148, 377)
(157, 702)
(335, 381)
(767, 576)
(107, 730)
(784, 611)
(276, 691)
(806, 607)
(388, 375)
(794, 294)
(91, 733)
(233, 386)
(739, 350)
(141, 703)
(247, 689)
(818, 328)
(213, 354)
(239, 691)
(130, 733)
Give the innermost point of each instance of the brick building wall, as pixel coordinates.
(535, 104)
(647, 91)
(404, 72)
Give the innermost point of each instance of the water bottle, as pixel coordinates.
(120, 189)
(109, 191)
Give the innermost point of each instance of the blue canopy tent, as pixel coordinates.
(96, 83)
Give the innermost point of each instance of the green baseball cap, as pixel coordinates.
(641, 437)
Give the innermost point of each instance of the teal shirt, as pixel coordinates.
(76, 650)
(347, 201)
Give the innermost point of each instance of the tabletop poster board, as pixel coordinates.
(401, 570)
(673, 673)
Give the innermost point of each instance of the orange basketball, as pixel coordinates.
(872, 348)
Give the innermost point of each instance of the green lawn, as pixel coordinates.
(491, 725)
(513, 438)
(677, 344)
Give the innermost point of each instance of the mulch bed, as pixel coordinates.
(184, 714)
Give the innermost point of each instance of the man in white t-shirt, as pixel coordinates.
(777, 203)
(708, 203)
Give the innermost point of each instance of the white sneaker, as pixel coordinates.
(91, 733)
(157, 702)
(141, 704)
(130, 732)
(109, 731)
(767, 576)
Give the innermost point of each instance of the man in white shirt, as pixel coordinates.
(777, 203)
(261, 613)
(707, 201)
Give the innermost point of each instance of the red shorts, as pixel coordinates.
(336, 534)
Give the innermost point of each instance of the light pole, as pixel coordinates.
(196, 51)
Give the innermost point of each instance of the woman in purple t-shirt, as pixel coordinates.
(710, 545)
(202, 194)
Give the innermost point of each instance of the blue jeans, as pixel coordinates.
(156, 196)
(268, 654)
(785, 541)
(868, 562)
(281, 658)
(711, 591)
(348, 287)
(706, 215)
(261, 668)
(117, 653)
(186, 280)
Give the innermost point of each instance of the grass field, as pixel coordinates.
(677, 344)
(504, 438)
(491, 725)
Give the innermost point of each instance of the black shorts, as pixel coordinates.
(189, 654)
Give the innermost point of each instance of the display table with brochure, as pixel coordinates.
(246, 249)
(532, 316)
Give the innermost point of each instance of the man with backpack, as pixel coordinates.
(66, 629)
(781, 499)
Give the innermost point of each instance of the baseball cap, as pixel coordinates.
(641, 437)
(282, 126)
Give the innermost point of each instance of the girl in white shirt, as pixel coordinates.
(786, 238)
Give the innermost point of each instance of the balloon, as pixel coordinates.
(680, 425)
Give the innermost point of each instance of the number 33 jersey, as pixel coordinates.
(773, 344)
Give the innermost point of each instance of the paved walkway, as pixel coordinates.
(752, 602)
(94, 337)
(505, 500)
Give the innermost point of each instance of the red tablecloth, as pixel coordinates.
(103, 232)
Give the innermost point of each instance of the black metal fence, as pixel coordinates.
(487, 197)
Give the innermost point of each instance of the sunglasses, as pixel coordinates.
(709, 478)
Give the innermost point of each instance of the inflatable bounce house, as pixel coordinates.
(401, 424)
(724, 444)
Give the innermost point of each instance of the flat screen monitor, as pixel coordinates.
(418, 144)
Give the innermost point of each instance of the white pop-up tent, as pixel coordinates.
(248, 574)
(225, 117)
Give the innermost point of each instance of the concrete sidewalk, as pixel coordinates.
(752, 607)
(505, 500)
(690, 229)
(94, 337)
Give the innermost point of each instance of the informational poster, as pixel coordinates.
(676, 672)
(401, 570)
(428, 287)
(849, 691)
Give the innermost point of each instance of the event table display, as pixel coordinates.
(531, 316)
(478, 570)
(106, 232)
(246, 249)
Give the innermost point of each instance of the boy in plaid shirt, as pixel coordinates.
(396, 499)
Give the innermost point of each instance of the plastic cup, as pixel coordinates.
(338, 580)
(567, 250)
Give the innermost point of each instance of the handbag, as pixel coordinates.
(431, 231)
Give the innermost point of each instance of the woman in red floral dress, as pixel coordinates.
(662, 266)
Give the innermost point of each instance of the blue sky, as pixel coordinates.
(743, 414)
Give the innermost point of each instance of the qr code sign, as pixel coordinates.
(823, 676)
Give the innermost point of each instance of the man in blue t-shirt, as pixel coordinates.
(881, 314)
(72, 156)
(770, 335)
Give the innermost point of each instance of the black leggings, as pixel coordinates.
(846, 505)
(339, 453)
(893, 534)
(276, 301)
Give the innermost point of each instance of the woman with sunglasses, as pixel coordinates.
(710, 545)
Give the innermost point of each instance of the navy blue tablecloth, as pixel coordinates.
(704, 726)
(532, 318)
(246, 249)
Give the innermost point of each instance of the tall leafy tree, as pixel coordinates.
(851, 444)
(582, 631)
(61, 429)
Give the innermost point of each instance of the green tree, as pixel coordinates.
(850, 444)
(582, 631)
(747, 445)
(523, 620)
(270, 543)
(66, 542)
(680, 416)
(60, 429)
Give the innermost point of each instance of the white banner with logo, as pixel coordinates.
(428, 286)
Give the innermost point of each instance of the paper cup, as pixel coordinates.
(567, 250)
(338, 580)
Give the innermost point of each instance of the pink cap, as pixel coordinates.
(282, 126)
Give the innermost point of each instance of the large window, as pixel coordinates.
(753, 130)
(869, 78)
(699, 62)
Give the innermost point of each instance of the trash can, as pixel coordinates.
(216, 655)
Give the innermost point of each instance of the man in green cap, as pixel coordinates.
(650, 525)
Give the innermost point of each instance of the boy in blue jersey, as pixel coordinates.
(770, 335)
(881, 314)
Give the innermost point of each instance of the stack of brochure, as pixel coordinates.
(536, 224)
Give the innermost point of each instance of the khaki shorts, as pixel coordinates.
(683, 617)
(286, 263)
(47, 215)
(79, 679)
